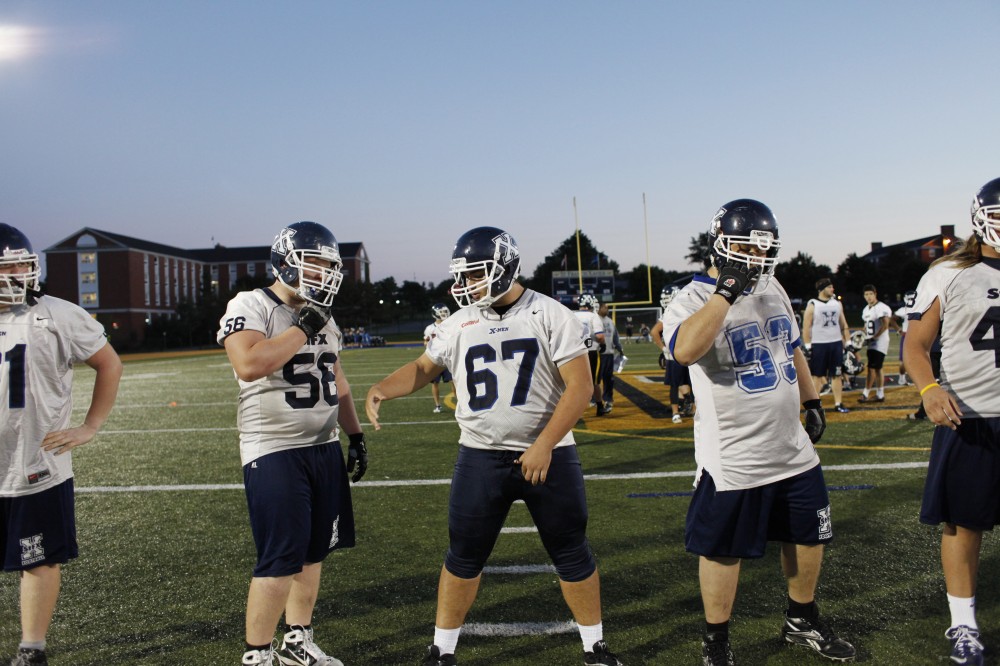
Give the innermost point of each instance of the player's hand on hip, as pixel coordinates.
(372, 404)
(61, 441)
(357, 455)
(534, 464)
(942, 407)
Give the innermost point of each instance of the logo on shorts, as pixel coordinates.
(335, 537)
(825, 526)
(32, 550)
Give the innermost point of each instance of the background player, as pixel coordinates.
(612, 344)
(903, 314)
(825, 335)
(593, 339)
(675, 375)
(41, 337)
(523, 381)
(441, 312)
(759, 478)
(876, 318)
(285, 350)
(957, 299)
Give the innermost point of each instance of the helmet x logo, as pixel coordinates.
(506, 250)
(283, 243)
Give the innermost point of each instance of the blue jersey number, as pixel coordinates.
(15, 356)
(756, 367)
(324, 383)
(487, 379)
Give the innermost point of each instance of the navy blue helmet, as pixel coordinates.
(15, 251)
(294, 254)
(986, 214)
(745, 230)
(491, 256)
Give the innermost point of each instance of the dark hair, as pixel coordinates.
(823, 283)
(869, 287)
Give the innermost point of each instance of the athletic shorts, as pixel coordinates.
(38, 529)
(875, 359)
(739, 523)
(445, 376)
(300, 507)
(676, 376)
(963, 477)
(486, 483)
(826, 359)
(595, 362)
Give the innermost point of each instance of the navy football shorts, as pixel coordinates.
(594, 364)
(38, 529)
(483, 487)
(963, 477)
(739, 523)
(676, 376)
(300, 507)
(826, 359)
(875, 359)
(445, 376)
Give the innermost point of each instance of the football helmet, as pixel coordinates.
(589, 301)
(909, 298)
(667, 295)
(986, 214)
(293, 253)
(737, 228)
(857, 339)
(15, 250)
(441, 311)
(493, 256)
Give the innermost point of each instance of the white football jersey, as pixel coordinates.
(904, 314)
(297, 405)
(592, 325)
(609, 333)
(870, 315)
(430, 331)
(747, 431)
(826, 321)
(38, 347)
(506, 369)
(970, 332)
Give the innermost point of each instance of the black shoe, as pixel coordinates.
(715, 651)
(817, 636)
(601, 656)
(600, 409)
(30, 657)
(965, 645)
(435, 658)
(839, 407)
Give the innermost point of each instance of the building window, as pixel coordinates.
(88, 278)
(251, 269)
(88, 258)
(89, 300)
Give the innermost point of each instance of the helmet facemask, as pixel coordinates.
(19, 288)
(313, 282)
(489, 276)
(734, 248)
(986, 224)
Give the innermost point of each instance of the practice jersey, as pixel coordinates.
(609, 333)
(904, 314)
(38, 347)
(970, 332)
(592, 326)
(506, 369)
(826, 321)
(296, 405)
(747, 431)
(871, 315)
(430, 332)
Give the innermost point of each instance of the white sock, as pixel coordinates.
(864, 392)
(963, 611)
(446, 639)
(32, 645)
(880, 393)
(591, 635)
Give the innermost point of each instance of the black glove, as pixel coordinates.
(603, 348)
(808, 351)
(357, 453)
(815, 419)
(734, 278)
(312, 319)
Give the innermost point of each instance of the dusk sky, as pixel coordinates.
(402, 124)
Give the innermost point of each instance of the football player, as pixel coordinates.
(759, 478)
(523, 380)
(593, 339)
(825, 335)
(876, 317)
(957, 299)
(285, 350)
(606, 365)
(675, 375)
(41, 337)
(441, 312)
(902, 314)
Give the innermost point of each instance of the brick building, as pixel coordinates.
(125, 282)
(924, 250)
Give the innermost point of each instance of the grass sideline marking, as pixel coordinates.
(446, 482)
(520, 569)
(518, 628)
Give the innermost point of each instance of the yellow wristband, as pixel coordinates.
(928, 388)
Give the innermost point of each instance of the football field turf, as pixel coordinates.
(166, 552)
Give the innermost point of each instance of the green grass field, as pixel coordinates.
(166, 552)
